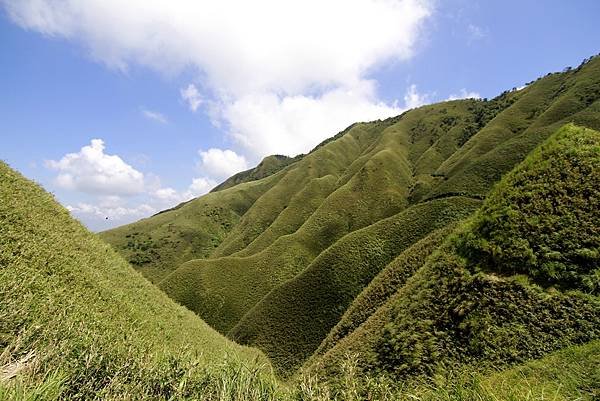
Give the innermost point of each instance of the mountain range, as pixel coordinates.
(457, 238)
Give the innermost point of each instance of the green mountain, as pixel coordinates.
(293, 262)
(268, 166)
(451, 252)
(517, 280)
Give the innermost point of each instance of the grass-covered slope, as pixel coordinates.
(507, 286)
(365, 176)
(69, 304)
(76, 322)
(383, 286)
(543, 220)
(296, 217)
(532, 115)
(158, 245)
(291, 321)
(223, 289)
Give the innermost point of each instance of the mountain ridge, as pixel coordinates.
(253, 284)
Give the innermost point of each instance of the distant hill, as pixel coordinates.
(268, 166)
(353, 246)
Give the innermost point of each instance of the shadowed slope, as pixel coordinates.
(291, 321)
(383, 286)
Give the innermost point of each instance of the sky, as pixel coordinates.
(122, 109)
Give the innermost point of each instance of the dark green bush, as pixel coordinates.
(543, 220)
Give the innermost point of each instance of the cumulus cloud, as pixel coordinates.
(265, 44)
(105, 211)
(220, 164)
(170, 196)
(464, 94)
(191, 96)
(200, 186)
(92, 171)
(155, 116)
(116, 193)
(276, 76)
(118, 213)
(268, 68)
(267, 123)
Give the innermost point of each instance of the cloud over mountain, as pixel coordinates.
(92, 171)
(269, 66)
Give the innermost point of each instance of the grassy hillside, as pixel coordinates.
(383, 286)
(70, 306)
(498, 291)
(76, 322)
(291, 269)
(451, 252)
(158, 245)
(290, 322)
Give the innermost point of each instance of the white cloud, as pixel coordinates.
(464, 94)
(155, 116)
(106, 211)
(92, 171)
(200, 186)
(220, 164)
(116, 193)
(241, 46)
(192, 97)
(168, 196)
(115, 212)
(267, 123)
(414, 99)
(277, 76)
(284, 62)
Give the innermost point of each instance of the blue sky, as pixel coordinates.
(278, 77)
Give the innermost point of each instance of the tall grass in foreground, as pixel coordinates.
(571, 374)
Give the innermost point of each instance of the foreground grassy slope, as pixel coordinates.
(72, 305)
(570, 374)
(462, 309)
